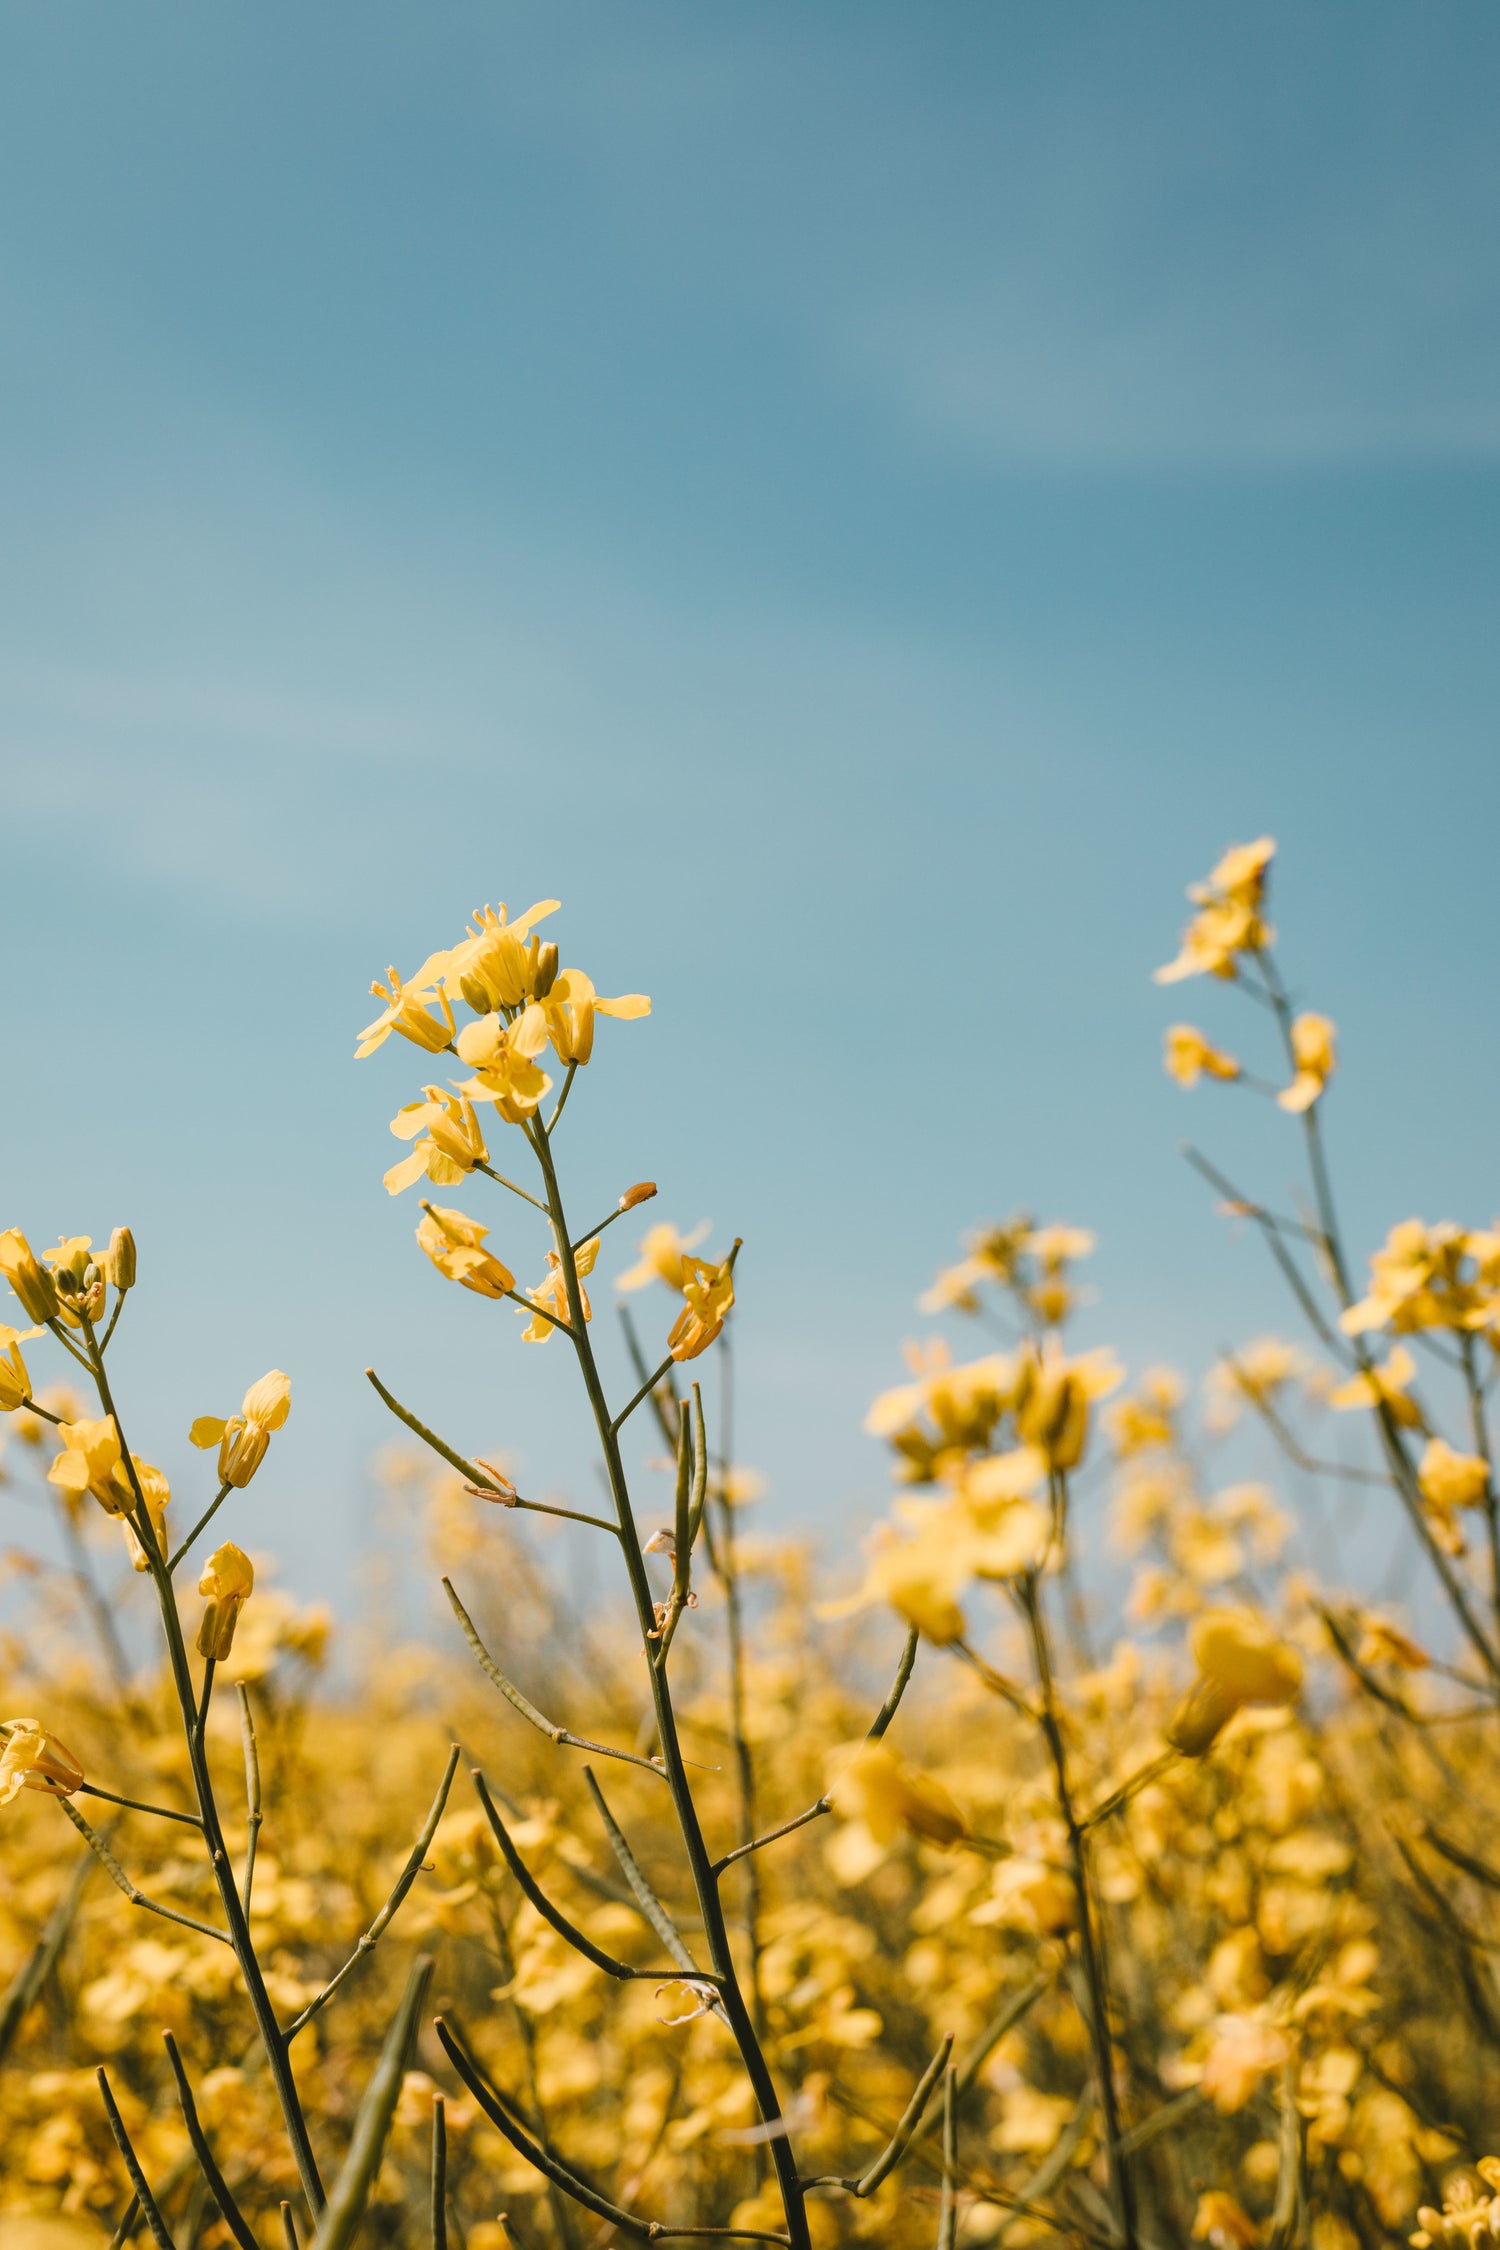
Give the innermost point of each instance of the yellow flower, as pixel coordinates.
(28, 1277)
(1257, 1371)
(453, 1241)
(1385, 1643)
(1313, 1054)
(90, 1461)
(709, 1291)
(1244, 2049)
(228, 1580)
(994, 1255)
(921, 1578)
(1383, 1386)
(452, 1148)
(1054, 1395)
(496, 966)
(503, 1057)
(571, 1007)
(15, 1382)
(1422, 1277)
(1240, 1661)
(243, 1439)
(552, 1294)
(1451, 1480)
(33, 1759)
(1189, 1056)
(1223, 2223)
(118, 1261)
(963, 1404)
(662, 1250)
(1229, 920)
(877, 1788)
(407, 1010)
(156, 1492)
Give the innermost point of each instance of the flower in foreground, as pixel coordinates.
(551, 1295)
(228, 1580)
(407, 1010)
(1240, 1660)
(90, 1461)
(571, 1006)
(243, 1439)
(28, 1277)
(33, 1759)
(709, 1291)
(15, 1380)
(455, 1244)
(877, 1788)
(452, 1146)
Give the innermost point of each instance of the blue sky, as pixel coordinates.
(861, 502)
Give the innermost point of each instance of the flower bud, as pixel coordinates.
(642, 1192)
(228, 1580)
(30, 1280)
(15, 1382)
(119, 1259)
(544, 974)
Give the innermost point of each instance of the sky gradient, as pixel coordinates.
(862, 503)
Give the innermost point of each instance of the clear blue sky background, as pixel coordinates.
(862, 502)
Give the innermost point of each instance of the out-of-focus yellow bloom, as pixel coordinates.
(454, 1243)
(662, 1251)
(571, 1007)
(28, 1277)
(1148, 1418)
(1054, 1394)
(1313, 1054)
(551, 1296)
(33, 1759)
(1031, 1892)
(709, 1291)
(1229, 920)
(1240, 1661)
(243, 1439)
(90, 1461)
(503, 1057)
(1423, 1277)
(1385, 1386)
(1188, 1056)
(1468, 2218)
(1244, 2049)
(994, 1255)
(15, 1382)
(1224, 2223)
(1381, 1642)
(452, 1147)
(921, 1579)
(963, 1404)
(408, 1012)
(156, 1492)
(877, 1788)
(498, 964)
(1450, 1479)
(1255, 1373)
(228, 1580)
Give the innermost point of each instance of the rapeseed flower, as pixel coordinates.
(243, 1439)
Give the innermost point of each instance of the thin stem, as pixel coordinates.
(439, 2173)
(133, 1804)
(544, 1906)
(122, 1882)
(562, 1099)
(476, 1475)
(726, 1567)
(213, 1835)
(561, 1736)
(501, 1181)
(147, 2201)
(1122, 2185)
(704, 1883)
(202, 1524)
(43, 1957)
(252, 1790)
(120, 1296)
(229, 2210)
(948, 2219)
(644, 1392)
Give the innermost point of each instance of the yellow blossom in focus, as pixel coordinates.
(1229, 920)
(662, 1251)
(551, 1296)
(15, 1381)
(1313, 1054)
(243, 1439)
(156, 1493)
(91, 1462)
(571, 1007)
(1188, 1056)
(453, 1143)
(500, 963)
(454, 1243)
(33, 1759)
(407, 1011)
(27, 1276)
(877, 1788)
(503, 1058)
(709, 1293)
(1385, 1386)
(228, 1580)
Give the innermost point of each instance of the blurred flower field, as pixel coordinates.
(914, 1896)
